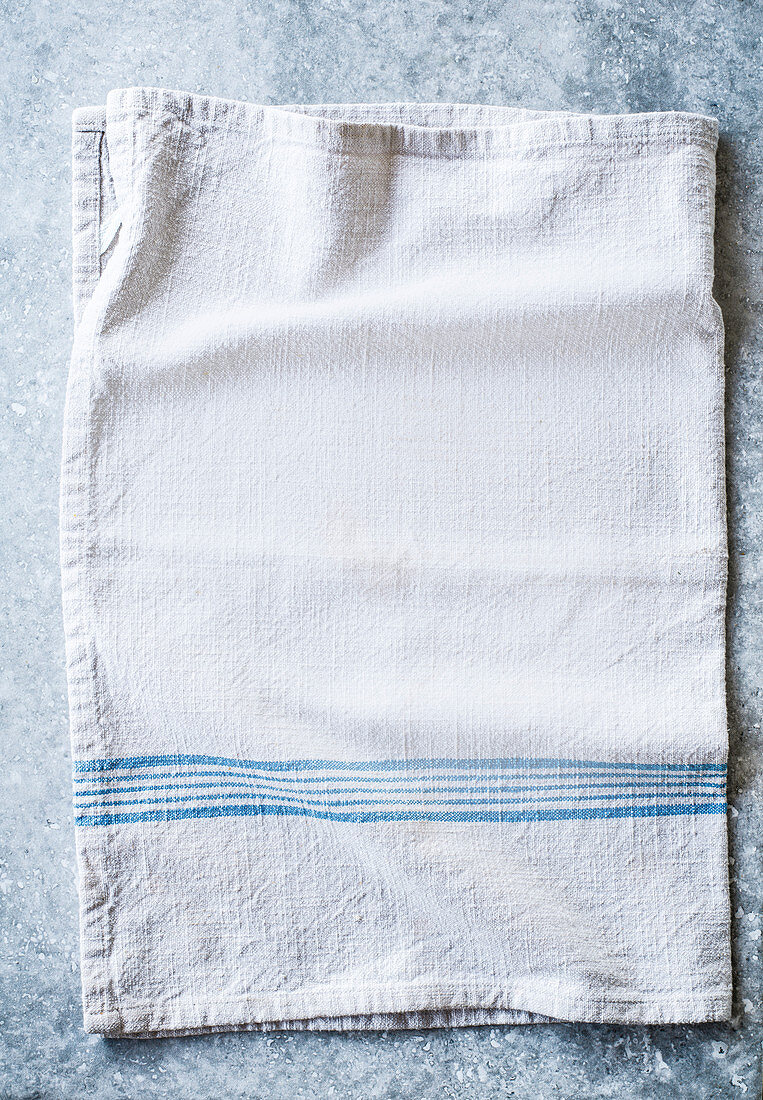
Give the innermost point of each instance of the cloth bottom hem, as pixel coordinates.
(385, 1013)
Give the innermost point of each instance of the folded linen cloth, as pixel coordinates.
(393, 557)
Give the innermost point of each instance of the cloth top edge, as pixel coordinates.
(459, 129)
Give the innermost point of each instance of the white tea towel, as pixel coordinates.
(393, 552)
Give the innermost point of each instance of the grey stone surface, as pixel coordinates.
(595, 55)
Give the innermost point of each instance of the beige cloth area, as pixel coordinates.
(394, 559)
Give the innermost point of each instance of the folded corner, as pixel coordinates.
(88, 119)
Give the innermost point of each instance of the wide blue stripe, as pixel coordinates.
(577, 813)
(110, 764)
(659, 786)
(286, 799)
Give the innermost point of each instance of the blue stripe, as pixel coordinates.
(114, 763)
(578, 813)
(517, 773)
(665, 787)
(374, 801)
(393, 790)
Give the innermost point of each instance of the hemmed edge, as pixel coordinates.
(383, 1011)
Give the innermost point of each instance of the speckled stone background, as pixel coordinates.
(591, 55)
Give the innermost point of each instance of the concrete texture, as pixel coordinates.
(591, 55)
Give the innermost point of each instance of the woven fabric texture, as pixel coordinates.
(394, 560)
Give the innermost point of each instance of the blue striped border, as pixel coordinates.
(512, 789)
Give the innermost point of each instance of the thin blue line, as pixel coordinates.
(109, 764)
(374, 801)
(99, 777)
(581, 813)
(663, 786)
